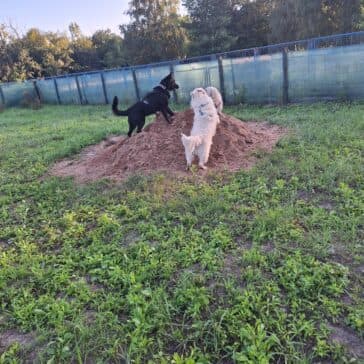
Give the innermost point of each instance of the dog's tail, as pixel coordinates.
(191, 142)
(115, 109)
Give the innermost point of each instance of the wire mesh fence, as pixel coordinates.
(325, 68)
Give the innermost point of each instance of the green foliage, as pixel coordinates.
(157, 31)
(39, 54)
(302, 19)
(251, 267)
(154, 33)
(109, 48)
(250, 23)
(209, 26)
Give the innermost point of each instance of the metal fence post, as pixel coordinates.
(221, 78)
(57, 92)
(175, 97)
(136, 84)
(2, 96)
(37, 90)
(285, 95)
(104, 87)
(79, 91)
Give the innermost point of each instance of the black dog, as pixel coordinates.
(157, 100)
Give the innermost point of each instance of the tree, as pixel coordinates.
(341, 16)
(154, 33)
(52, 51)
(250, 23)
(24, 66)
(109, 48)
(83, 52)
(4, 57)
(15, 61)
(299, 19)
(209, 26)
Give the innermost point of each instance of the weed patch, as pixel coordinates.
(259, 266)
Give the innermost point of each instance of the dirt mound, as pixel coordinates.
(159, 148)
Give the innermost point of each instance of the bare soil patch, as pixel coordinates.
(159, 149)
(10, 337)
(348, 338)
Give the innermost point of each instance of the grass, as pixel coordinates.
(264, 266)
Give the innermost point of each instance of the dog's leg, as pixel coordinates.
(141, 125)
(189, 157)
(132, 126)
(165, 116)
(170, 112)
(200, 155)
(189, 150)
(131, 129)
(207, 148)
(203, 154)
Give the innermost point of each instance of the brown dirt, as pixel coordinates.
(159, 148)
(10, 337)
(349, 339)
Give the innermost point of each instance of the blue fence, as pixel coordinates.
(324, 68)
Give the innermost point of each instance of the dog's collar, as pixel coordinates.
(163, 87)
(162, 90)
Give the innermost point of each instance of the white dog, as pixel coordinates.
(214, 93)
(203, 130)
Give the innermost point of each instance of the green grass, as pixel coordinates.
(255, 267)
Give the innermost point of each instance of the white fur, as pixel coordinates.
(214, 93)
(203, 129)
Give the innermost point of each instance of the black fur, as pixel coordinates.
(154, 101)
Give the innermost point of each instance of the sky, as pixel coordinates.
(49, 15)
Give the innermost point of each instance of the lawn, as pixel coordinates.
(264, 266)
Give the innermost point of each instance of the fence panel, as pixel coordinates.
(68, 91)
(324, 68)
(192, 75)
(91, 88)
(15, 92)
(256, 79)
(120, 83)
(326, 74)
(47, 90)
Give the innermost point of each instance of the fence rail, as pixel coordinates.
(324, 68)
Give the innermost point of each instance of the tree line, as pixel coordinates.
(157, 31)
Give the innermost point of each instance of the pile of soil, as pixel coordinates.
(159, 148)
